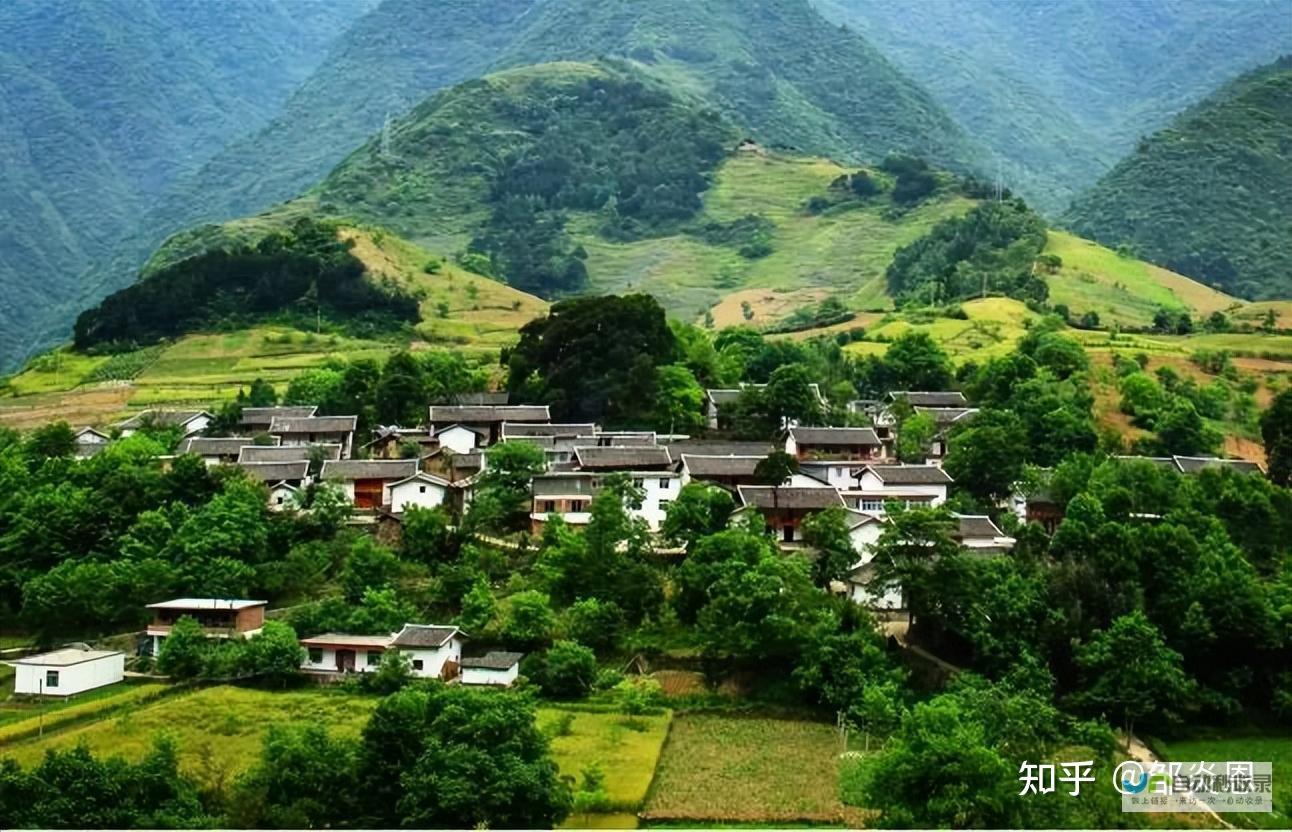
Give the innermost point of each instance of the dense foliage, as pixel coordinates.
(303, 272)
(990, 250)
(1208, 196)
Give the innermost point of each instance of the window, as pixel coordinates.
(280, 499)
(549, 506)
(51, 678)
(663, 483)
(421, 489)
(316, 655)
(869, 504)
(417, 664)
(639, 483)
(374, 657)
(664, 504)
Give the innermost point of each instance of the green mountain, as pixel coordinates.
(1061, 90)
(773, 66)
(105, 104)
(1211, 195)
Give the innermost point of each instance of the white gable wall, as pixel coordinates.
(416, 492)
(458, 439)
(74, 678)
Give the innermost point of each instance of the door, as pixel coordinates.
(367, 493)
(788, 531)
(345, 661)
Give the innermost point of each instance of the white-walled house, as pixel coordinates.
(313, 430)
(189, 421)
(421, 490)
(217, 450)
(89, 442)
(923, 486)
(68, 671)
(343, 653)
(494, 668)
(569, 494)
(366, 482)
(435, 651)
(461, 439)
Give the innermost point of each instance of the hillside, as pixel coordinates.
(1060, 91)
(104, 105)
(1211, 195)
(458, 309)
(774, 66)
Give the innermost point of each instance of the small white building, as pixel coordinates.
(421, 490)
(343, 653)
(919, 486)
(90, 442)
(461, 439)
(190, 422)
(435, 651)
(494, 668)
(68, 671)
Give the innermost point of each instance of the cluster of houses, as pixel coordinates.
(854, 469)
(433, 651)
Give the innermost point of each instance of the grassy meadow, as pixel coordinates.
(727, 768)
(1271, 744)
(20, 719)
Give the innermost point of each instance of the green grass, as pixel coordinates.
(18, 719)
(719, 768)
(218, 730)
(843, 252)
(1123, 290)
(1272, 745)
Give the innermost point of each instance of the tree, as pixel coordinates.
(915, 362)
(392, 674)
(700, 509)
(914, 437)
(984, 457)
(679, 404)
(529, 620)
(275, 653)
(483, 764)
(594, 622)
(850, 672)
(502, 494)
(51, 441)
(428, 535)
(368, 565)
(790, 398)
(183, 652)
(827, 532)
(1127, 671)
(774, 470)
(594, 358)
(400, 394)
(910, 547)
(1180, 430)
(478, 607)
(1276, 431)
(569, 670)
(303, 780)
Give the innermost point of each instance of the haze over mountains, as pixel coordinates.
(105, 171)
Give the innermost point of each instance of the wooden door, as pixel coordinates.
(367, 493)
(345, 661)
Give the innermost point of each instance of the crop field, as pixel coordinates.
(218, 730)
(992, 328)
(843, 253)
(1272, 745)
(718, 768)
(19, 719)
(1123, 290)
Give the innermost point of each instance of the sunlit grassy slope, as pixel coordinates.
(459, 309)
(1123, 290)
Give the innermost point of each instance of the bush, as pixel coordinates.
(569, 669)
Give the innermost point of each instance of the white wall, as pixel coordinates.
(489, 676)
(282, 498)
(459, 440)
(328, 660)
(661, 488)
(874, 488)
(72, 679)
(418, 493)
(433, 659)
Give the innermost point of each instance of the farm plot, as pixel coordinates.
(718, 768)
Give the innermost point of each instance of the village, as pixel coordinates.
(438, 465)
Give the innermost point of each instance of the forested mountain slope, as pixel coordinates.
(104, 104)
(1061, 89)
(1211, 195)
(773, 66)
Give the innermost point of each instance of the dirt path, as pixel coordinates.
(1140, 752)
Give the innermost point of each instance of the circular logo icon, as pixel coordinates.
(1130, 777)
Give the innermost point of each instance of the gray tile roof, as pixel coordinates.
(720, 466)
(368, 469)
(930, 398)
(271, 472)
(1159, 461)
(944, 416)
(723, 395)
(495, 660)
(972, 525)
(423, 635)
(444, 414)
(513, 430)
(161, 418)
(761, 496)
(1194, 464)
(263, 416)
(623, 458)
(834, 436)
(214, 445)
(313, 424)
(707, 447)
(287, 453)
(910, 474)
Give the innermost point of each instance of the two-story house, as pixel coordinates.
(218, 617)
(924, 486)
(313, 430)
